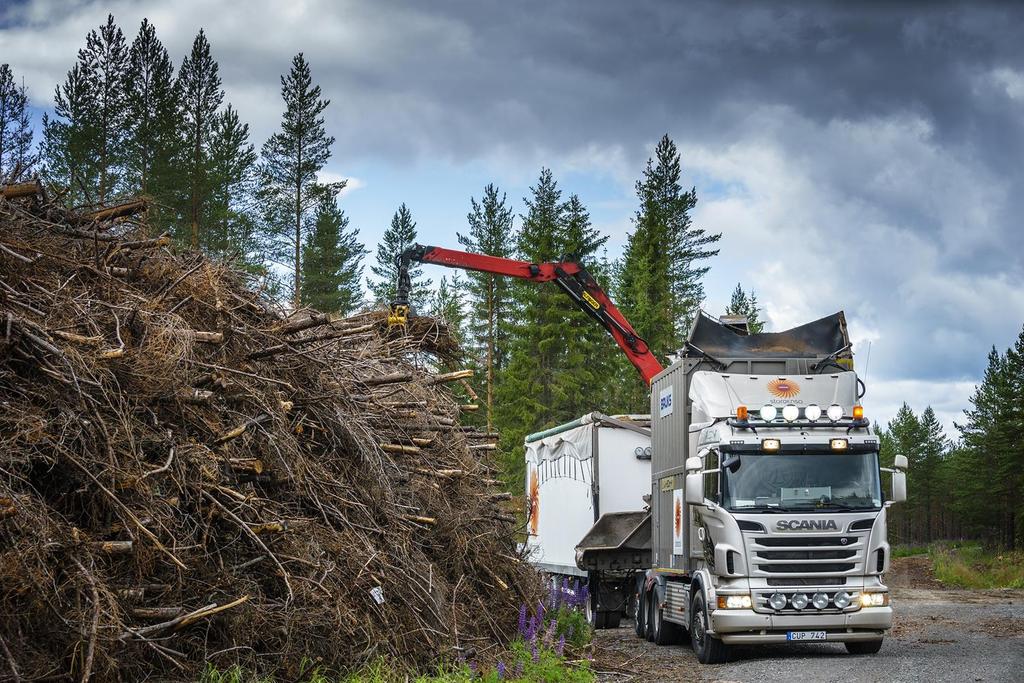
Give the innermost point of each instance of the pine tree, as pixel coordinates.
(661, 288)
(292, 158)
(332, 261)
(199, 89)
(741, 304)
(396, 239)
(84, 145)
(16, 157)
(231, 175)
(927, 471)
(153, 140)
(489, 296)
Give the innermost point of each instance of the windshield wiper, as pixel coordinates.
(758, 508)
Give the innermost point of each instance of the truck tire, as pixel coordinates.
(662, 632)
(709, 650)
(640, 615)
(864, 647)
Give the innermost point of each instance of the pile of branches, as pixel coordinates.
(188, 475)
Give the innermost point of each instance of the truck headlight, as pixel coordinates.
(812, 412)
(799, 601)
(819, 600)
(768, 413)
(734, 602)
(841, 599)
(777, 601)
(790, 413)
(874, 599)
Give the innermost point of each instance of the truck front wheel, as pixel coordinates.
(864, 647)
(709, 650)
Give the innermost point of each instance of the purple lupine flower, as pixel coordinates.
(472, 668)
(540, 614)
(522, 620)
(584, 596)
(518, 672)
(501, 671)
(549, 634)
(531, 630)
(535, 652)
(561, 646)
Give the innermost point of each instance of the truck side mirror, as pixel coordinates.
(900, 462)
(899, 485)
(695, 489)
(694, 492)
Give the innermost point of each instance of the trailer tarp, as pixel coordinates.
(818, 338)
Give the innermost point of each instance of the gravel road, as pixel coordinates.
(939, 635)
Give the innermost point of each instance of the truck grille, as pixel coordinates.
(810, 557)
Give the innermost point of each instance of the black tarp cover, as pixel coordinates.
(819, 338)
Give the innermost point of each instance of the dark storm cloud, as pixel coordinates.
(870, 148)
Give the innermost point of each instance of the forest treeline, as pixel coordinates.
(126, 122)
(971, 486)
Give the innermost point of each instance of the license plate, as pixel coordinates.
(805, 635)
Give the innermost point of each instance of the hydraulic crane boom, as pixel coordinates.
(570, 276)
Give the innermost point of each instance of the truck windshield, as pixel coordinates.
(808, 481)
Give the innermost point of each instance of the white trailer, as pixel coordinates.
(575, 473)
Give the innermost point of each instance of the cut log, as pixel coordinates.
(293, 326)
(393, 378)
(246, 465)
(240, 429)
(449, 376)
(32, 188)
(76, 338)
(269, 528)
(398, 448)
(209, 337)
(422, 520)
(469, 407)
(500, 496)
(483, 447)
(196, 396)
(118, 211)
(113, 547)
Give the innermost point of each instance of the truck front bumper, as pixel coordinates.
(750, 627)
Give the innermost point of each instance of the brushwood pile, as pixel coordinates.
(189, 474)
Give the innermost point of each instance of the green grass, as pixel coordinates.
(909, 550)
(968, 565)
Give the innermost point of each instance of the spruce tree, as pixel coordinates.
(489, 296)
(399, 236)
(231, 175)
(927, 472)
(16, 157)
(332, 261)
(662, 275)
(84, 145)
(199, 89)
(292, 158)
(741, 304)
(153, 140)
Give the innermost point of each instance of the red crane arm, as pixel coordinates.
(578, 284)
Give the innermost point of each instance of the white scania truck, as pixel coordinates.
(765, 520)
(767, 517)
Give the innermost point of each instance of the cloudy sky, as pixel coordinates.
(863, 156)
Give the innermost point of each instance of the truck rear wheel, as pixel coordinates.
(662, 632)
(863, 647)
(709, 650)
(640, 614)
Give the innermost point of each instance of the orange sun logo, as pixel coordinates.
(783, 388)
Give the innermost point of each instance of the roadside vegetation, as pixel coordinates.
(969, 565)
(550, 646)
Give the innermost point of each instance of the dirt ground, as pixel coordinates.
(939, 635)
